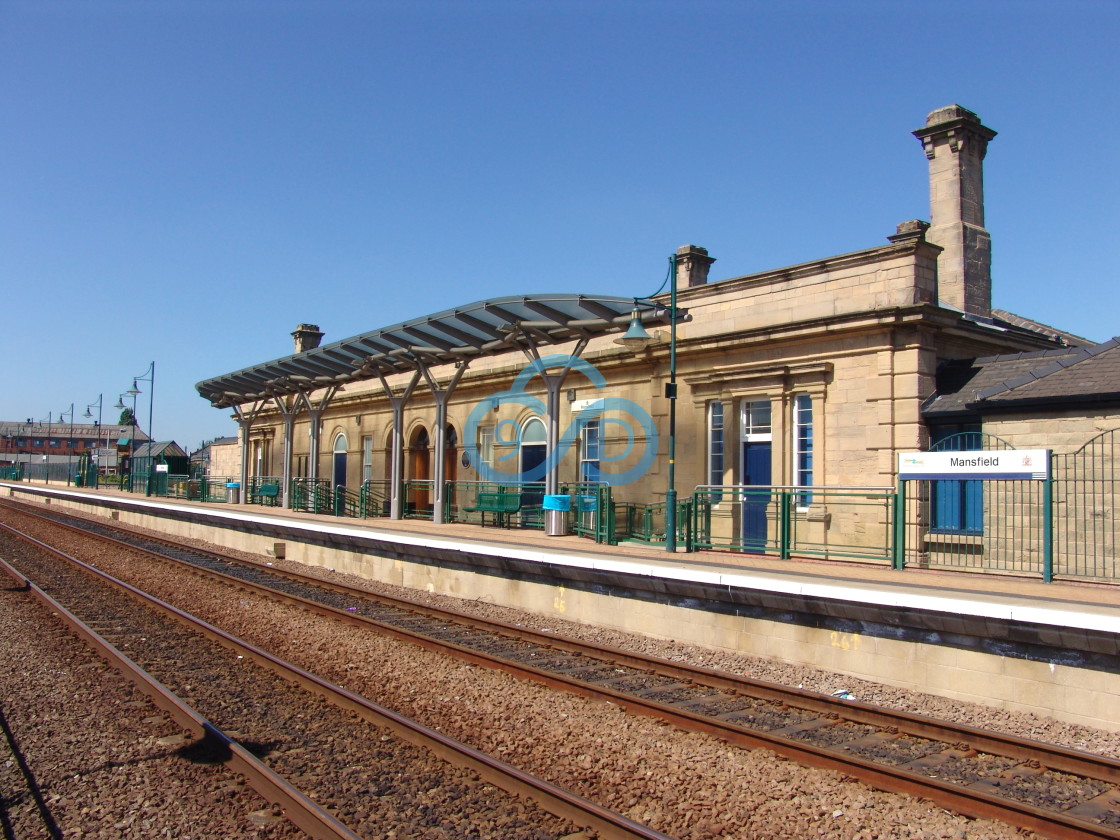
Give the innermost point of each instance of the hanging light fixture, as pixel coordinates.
(636, 338)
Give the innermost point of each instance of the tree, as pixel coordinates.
(128, 417)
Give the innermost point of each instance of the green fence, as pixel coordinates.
(824, 522)
(375, 498)
(312, 495)
(1086, 537)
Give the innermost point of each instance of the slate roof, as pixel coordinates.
(1003, 317)
(1010, 382)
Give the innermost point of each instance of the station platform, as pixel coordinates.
(1013, 641)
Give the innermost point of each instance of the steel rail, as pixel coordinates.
(297, 807)
(552, 798)
(1052, 756)
(959, 798)
(973, 802)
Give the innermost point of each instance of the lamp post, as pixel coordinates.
(97, 449)
(132, 438)
(636, 338)
(148, 376)
(69, 443)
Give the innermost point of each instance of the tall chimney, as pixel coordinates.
(307, 337)
(955, 143)
(693, 263)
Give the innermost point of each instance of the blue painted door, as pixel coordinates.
(756, 471)
(339, 469)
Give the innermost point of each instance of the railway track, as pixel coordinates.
(1052, 790)
(300, 741)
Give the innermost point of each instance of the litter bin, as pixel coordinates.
(233, 492)
(556, 515)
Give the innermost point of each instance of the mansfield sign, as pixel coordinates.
(1007, 464)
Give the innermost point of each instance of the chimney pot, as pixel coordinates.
(307, 337)
(693, 263)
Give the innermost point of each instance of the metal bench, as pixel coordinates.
(269, 494)
(502, 505)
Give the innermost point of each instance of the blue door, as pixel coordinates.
(340, 469)
(756, 471)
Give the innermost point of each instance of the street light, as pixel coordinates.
(97, 449)
(132, 438)
(69, 443)
(636, 338)
(148, 376)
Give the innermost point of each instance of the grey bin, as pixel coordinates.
(556, 515)
(233, 492)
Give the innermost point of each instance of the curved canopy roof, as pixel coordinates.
(485, 328)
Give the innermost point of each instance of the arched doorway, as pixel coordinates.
(338, 473)
(419, 470)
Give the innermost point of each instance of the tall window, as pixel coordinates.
(486, 445)
(803, 447)
(367, 457)
(590, 451)
(715, 448)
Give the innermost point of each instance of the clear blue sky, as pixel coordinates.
(185, 181)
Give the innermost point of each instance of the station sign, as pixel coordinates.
(1005, 465)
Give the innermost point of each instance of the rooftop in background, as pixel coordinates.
(63, 429)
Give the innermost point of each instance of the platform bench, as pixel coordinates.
(502, 505)
(269, 494)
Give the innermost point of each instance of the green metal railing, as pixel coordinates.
(12, 473)
(1086, 500)
(312, 495)
(645, 523)
(346, 502)
(833, 522)
(375, 498)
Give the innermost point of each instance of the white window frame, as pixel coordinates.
(586, 455)
(717, 447)
(802, 446)
(367, 458)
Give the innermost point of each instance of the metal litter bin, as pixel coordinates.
(556, 515)
(233, 492)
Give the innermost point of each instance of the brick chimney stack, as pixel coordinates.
(307, 337)
(955, 143)
(693, 263)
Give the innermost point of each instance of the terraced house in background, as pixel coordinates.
(788, 395)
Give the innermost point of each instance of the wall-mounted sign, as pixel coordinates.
(1005, 464)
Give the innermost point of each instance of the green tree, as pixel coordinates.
(128, 417)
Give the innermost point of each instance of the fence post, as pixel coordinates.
(898, 536)
(785, 505)
(1048, 521)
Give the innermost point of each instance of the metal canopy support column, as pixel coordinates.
(288, 412)
(553, 383)
(397, 455)
(245, 422)
(315, 412)
(441, 396)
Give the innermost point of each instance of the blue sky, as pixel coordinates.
(185, 181)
